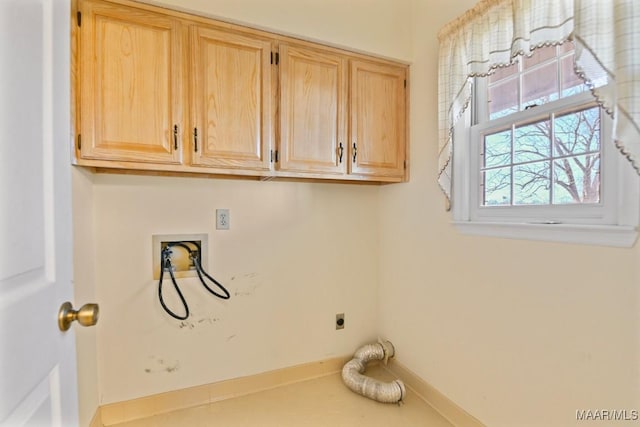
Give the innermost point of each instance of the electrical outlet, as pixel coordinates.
(340, 321)
(222, 219)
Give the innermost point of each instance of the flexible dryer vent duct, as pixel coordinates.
(352, 371)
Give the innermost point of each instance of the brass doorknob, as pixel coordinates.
(86, 316)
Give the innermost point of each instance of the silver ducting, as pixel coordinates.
(352, 371)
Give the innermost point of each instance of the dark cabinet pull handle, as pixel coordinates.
(355, 152)
(195, 139)
(175, 137)
(340, 151)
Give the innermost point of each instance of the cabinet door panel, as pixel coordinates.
(131, 88)
(378, 119)
(232, 96)
(312, 111)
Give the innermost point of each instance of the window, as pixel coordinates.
(553, 160)
(536, 152)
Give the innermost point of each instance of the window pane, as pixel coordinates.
(571, 83)
(577, 179)
(540, 85)
(566, 47)
(503, 99)
(502, 73)
(539, 56)
(497, 149)
(577, 133)
(532, 142)
(531, 183)
(497, 187)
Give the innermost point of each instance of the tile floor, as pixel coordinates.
(320, 402)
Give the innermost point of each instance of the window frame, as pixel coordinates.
(601, 212)
(612, 222)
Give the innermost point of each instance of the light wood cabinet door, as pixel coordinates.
(378, 119)
(131, 86)
(313, 96)
(232, 98)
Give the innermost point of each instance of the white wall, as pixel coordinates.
(296, 255)
(514, 344)
(374, 26)
(84, 291)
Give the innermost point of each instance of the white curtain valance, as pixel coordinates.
(607, 38)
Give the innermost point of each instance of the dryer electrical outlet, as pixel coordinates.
(339, 321)
(183, 265)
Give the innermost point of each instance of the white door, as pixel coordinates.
(37, 361)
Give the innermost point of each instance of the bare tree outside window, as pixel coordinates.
(554, 161)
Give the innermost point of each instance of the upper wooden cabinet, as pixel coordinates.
(131, 84)
(165, 91)
(313, 108)
(378, 119)
(232, 96)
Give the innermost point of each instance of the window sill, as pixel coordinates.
(601, 235)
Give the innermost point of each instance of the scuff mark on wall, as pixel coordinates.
(184, 324)
(203, 321)
(229, 338)
(249, 283)
(160, 365)
(209, 320)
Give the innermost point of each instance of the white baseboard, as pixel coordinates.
(129, 410)
(120, 412)
(441, 403)
(96, 421)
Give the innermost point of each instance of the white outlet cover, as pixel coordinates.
(222, 219)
